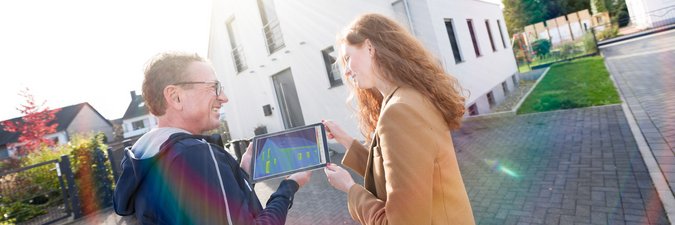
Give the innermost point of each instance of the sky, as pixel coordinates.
(72, 51)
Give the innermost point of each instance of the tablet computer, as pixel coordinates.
(290, 151)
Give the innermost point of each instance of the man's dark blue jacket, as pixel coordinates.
(171, 177)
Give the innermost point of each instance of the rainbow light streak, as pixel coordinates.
(495, 166)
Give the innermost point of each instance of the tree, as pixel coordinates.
(37, 122)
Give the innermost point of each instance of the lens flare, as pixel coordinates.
(496, 167)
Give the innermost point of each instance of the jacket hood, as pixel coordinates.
(136, 164)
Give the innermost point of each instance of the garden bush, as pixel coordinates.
(541, 47)
(609, 32)
(26, 194)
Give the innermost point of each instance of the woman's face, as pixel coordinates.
(359, 65)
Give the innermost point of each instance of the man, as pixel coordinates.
(172, 175)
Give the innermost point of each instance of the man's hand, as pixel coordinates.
(301, 177)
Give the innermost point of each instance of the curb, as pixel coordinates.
(659, 180)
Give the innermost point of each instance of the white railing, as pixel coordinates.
(239, 59)
(273, 37)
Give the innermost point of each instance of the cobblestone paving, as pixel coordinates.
(645, 73)
(578, 166)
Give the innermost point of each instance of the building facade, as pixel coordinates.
(137, 120)
(276, 58)
(646, 14)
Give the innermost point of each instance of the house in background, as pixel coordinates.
(646, 14)
(74, 119)
(276, 58)
(137, 120)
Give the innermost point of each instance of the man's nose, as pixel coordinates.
(223, 98)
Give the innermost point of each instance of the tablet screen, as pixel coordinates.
(290, 151)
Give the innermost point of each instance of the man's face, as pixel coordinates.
(201, 104)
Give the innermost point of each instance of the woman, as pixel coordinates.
(409, 104)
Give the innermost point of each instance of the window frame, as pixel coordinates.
(452, 36)
(474, 37)
(492, 42)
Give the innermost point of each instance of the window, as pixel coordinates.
(492, 42)
(491, 99)
(137, 125)
(273, 37)
(332, 68)
(469, 22)
(237, 51)
(513, 78)
(501, 34)
(473, 110)
(505, 88)
(453, 40)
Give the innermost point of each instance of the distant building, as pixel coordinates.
(137, 120)
(276, 61)
(74, 119)
(651, 13)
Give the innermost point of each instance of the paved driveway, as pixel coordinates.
(644, 70)
(578, 166)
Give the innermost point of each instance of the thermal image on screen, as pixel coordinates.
(288, 152)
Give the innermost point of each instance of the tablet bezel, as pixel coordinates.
(254, 154)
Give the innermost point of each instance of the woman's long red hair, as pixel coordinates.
(401, 59)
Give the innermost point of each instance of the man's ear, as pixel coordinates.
(172, 96)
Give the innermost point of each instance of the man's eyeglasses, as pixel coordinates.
(216, 85)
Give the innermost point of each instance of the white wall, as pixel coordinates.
(650, 13)
(481, 74)
(149, 121)
(87, 120)
(308, 27)
(577, 30)
(311, 25)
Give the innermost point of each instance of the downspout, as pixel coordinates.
(407, 12)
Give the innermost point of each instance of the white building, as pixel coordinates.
(137, 120)
(651, 13)
(274, 57)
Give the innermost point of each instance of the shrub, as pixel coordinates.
(567, 50)
(93, 178)
(589, 43)
(608, 33)
(93, 174)
(542, 47)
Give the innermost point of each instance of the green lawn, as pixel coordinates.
(580, 83)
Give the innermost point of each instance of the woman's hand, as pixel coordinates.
(246, 159)
(338, 177)
(335, 132)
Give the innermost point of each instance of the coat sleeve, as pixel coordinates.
(356, 158)
(199, 197)
(408, 151)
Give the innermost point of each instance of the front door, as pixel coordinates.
(287, 99)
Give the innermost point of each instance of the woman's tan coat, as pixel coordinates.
(410, 174)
